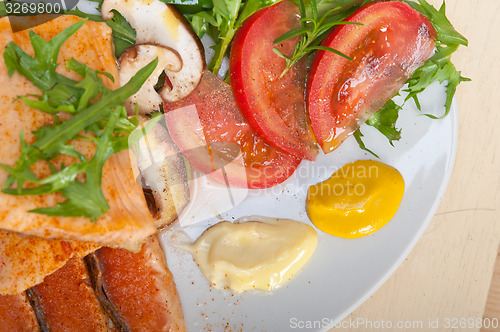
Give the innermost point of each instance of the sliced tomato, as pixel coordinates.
(273, 106)
(392, 42)
(208, 117)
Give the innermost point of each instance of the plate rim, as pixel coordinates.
(423, 227)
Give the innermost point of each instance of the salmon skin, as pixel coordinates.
(128, 222)
(138, 289)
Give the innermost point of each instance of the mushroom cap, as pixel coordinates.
(159, 23)
(136, 57)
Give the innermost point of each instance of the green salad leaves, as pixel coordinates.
(220, 19)
(313, 29)
(123, 33)
(98, 115)
(439, 67)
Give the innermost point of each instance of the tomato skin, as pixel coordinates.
(212, 106)
(274, 107)
(392, 43)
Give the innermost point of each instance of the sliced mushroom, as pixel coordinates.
(163, 172)
(136, 57)
(159, 23)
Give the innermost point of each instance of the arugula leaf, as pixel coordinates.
(447, 34)
(358, 136)
(384, 120)
(220, 20)
(202, 23)
(341, 5)
(226, 14)
(82, 197)
(40, 70)
(191, 6)
(317, 19)
(123, 33)
(97, 111)
(439, 67)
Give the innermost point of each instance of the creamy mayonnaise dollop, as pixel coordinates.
(262, 253)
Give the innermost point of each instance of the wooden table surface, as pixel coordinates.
(448, 273)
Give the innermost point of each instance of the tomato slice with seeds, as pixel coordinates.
(392, 42)
(209, 117)
(274, 106)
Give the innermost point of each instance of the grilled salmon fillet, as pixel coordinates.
(128, 222)
(138, 289)
(109, 290)
(16, 314)
(26, 260)
(65, 301)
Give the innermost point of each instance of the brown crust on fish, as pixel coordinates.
(65, 301)
(96, 279)
(16, 314)
(139, 288)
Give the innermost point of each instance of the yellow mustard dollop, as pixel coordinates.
(358, 199)
(254, 255)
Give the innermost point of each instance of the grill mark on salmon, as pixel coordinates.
(34, 301)
(65, 301)
(138, 289)
(97, 281)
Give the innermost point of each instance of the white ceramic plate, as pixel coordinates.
(342, 273)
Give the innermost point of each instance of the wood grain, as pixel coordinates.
(492, 310)
(448, 273)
